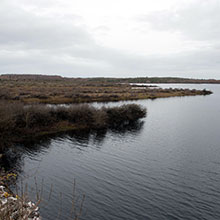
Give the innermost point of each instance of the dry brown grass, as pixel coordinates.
(17, 205)
(19, 122)
(61, 90)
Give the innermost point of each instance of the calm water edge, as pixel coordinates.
(167, 167)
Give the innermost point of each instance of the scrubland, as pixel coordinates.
(58, 90)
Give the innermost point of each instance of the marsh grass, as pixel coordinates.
(19, 122)
(19, 206)
(30, 89)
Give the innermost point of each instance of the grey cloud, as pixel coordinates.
(111, 63)
(36, 43)
(197, 21)
(20, 27)
(101, 29)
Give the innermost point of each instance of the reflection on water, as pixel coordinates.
(13, 157)
(27, 161)
(166, 168)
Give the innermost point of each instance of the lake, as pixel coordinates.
(165, 167)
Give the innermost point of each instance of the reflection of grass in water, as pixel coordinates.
(18, 122)
(18, 206)
(44, 199)
(12, 158)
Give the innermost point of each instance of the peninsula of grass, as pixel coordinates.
(32, 89)
(19, 122)
(23, 115)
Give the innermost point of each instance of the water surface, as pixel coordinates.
(167, 167)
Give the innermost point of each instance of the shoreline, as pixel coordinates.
(139, 94)
(12, 205)
(62, 91)
(16, 207)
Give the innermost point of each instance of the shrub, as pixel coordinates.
(37, 116)
(125, 114)
(17, 121)
(100, 119)
(81, 114)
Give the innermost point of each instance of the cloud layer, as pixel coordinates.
(50, 37)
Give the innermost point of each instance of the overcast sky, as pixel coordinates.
(117, 38)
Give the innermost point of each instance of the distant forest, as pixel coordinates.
(39, 77)
(155, 80)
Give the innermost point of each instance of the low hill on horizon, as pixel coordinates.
(42, 77)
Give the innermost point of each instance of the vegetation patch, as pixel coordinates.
(19, 122)
(32, 89)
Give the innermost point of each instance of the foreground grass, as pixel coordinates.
(16, 205)
(19, 122)
(58, 90)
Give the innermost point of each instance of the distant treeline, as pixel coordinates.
(155, 80)
(30, 77)
(40, 77)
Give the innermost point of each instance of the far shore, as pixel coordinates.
(32, 89)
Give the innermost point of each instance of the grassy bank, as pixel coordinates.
(19, 122)
(58, 90)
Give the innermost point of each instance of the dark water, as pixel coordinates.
(166, 168)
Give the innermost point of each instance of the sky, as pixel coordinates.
(117, 38)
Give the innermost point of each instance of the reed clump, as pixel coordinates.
(19, 122)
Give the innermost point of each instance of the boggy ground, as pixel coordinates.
(57, 90)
